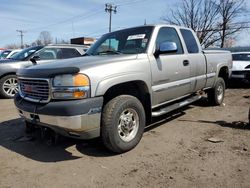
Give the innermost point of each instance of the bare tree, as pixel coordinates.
(199, 15)
(12, 46)
(229, 11)
(62, 41)
(45, 38)
(212, 20)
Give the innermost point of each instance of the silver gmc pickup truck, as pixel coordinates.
(124, 80)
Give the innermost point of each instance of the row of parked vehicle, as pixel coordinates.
(13, 60)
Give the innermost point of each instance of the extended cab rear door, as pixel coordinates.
(196, 58)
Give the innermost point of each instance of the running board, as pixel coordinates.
(175, 106)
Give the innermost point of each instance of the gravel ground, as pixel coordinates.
(174, 152)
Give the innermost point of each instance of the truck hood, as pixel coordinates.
(85, 62)
(240, 65)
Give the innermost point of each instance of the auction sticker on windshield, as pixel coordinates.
(138, 36)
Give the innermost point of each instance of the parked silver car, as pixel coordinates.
(8, 68)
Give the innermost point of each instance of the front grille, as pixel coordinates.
(35, 90)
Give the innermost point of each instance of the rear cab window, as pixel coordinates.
(190, 41)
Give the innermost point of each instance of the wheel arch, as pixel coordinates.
(7, 74)
(224, 73)
(137, 88)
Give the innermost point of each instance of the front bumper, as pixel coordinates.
(245, 75)
(75, 118)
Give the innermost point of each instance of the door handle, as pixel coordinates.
(185, 62)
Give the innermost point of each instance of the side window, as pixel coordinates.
(190, 41)
(64, 53)
(47, 54)
(168, 34)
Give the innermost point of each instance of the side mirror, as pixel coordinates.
(34, 59)
(166, 47)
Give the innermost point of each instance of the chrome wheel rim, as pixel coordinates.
(128, 125)
(220, 92)
(10, 87)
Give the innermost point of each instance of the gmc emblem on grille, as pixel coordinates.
(28, 88)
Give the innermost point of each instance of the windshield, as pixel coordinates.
(128, 41)
(25, 53)
(241, 57)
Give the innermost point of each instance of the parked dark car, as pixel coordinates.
(24, 55)
(4, 54)
(29, 57)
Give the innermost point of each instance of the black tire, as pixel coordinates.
(10, 92)
(115, 112)
(216, 95)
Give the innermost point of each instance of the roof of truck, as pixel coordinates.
(156, 25)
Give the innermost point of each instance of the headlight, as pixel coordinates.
(69, 86)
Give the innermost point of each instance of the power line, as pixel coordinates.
(219, 29)
(82, 16)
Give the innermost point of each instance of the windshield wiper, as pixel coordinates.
(109, 52)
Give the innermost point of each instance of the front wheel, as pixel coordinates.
(8, 86)
(216, 94)
(123, 123)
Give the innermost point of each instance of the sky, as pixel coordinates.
(66, 19)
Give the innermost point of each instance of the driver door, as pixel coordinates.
(170, 71)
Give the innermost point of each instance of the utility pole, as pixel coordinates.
(21, 35)
(110, 8)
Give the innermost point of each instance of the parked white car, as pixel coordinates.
(241, 66)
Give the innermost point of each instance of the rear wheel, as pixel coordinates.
(216, 94)
(8, 86)
(123, 123)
